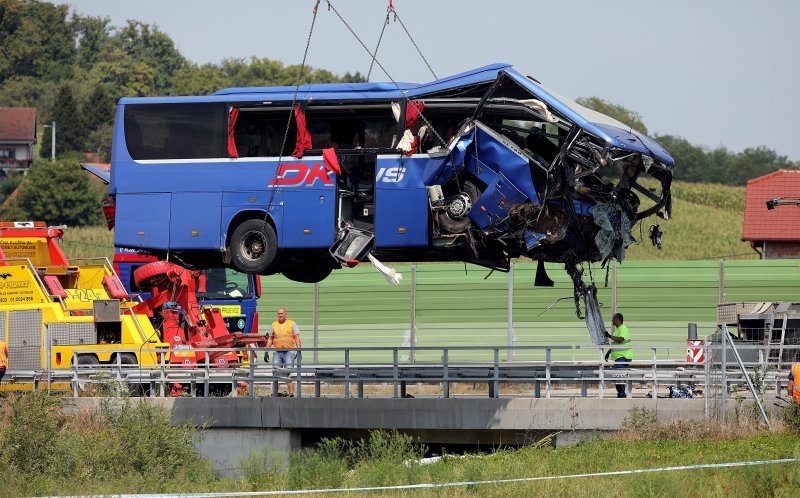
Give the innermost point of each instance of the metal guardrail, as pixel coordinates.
(652, 368)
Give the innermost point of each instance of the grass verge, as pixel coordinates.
(131, 447)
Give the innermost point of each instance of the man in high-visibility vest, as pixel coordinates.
(620, 357)
(284, 334)
(3, 359)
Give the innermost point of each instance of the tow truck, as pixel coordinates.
(55, 313)
(189, 327)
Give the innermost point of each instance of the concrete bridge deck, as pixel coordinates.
(240, 426)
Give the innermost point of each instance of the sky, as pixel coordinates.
(716, 72)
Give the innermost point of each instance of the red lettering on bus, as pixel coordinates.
(290, 174)
(318, 171)
(294, 174)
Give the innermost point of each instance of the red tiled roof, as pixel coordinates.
(17, 124)
(781, 223)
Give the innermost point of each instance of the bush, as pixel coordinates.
(124, 441)
(58, 193)
(791, 416)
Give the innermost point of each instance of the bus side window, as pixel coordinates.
(260, 132)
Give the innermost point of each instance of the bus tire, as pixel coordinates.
(253, 246)
(310, 273)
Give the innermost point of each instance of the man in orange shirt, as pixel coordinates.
(284, 336)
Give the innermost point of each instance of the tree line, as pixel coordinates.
(74, 68)
(695, 163)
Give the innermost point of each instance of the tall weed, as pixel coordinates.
(129, 441)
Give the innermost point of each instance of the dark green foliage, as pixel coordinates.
(791, 416)
(8, 185)
(57, 193)
(125, 444)
(698, 164)
(35, 40)
(43, 51)
(70, 129)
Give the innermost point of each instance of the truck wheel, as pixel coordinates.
(90, 361)
(253, 246)
(128, 360)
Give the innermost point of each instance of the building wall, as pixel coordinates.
(22, 155)
(778, 250)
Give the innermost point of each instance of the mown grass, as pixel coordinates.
(706, 223)
(131, 447)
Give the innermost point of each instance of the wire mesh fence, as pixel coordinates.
(453, 304)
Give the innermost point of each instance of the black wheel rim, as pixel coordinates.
(253, 245)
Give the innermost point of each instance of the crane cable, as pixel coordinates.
(376, 61)
(390, 10)
(291, 112)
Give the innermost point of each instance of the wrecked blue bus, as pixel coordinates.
(482, 167)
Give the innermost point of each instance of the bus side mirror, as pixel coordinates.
(258, 285)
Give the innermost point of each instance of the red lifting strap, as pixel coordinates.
(303, 142)
(413, 110)
(232, 151)
(331, 161)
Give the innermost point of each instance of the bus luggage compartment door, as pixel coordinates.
(195, 220)
(142, 220)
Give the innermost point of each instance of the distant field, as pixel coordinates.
(706, 224)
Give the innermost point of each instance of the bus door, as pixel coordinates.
(402, 202)
(356, 205)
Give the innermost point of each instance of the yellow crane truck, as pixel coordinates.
(55, 312)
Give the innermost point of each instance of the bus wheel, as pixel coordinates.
(309, 274)
(253, 246)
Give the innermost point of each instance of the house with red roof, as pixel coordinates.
(773, 233)
(17, 136)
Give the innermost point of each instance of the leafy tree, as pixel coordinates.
(69, 125)
(148, 45)
(616, 111)
(93, 37)
(35, 40)
(98, 109)
(56, 193)
(27, 91)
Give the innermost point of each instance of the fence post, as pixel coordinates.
(613, 286)
(315, 313)
(707, 372)
(412, 355)
(510, 307)
(721, 281)
(724, 379)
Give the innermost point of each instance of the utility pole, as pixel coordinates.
(52, 141)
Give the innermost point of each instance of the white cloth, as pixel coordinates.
(391, 275)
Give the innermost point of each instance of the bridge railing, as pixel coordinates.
(447, 372)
